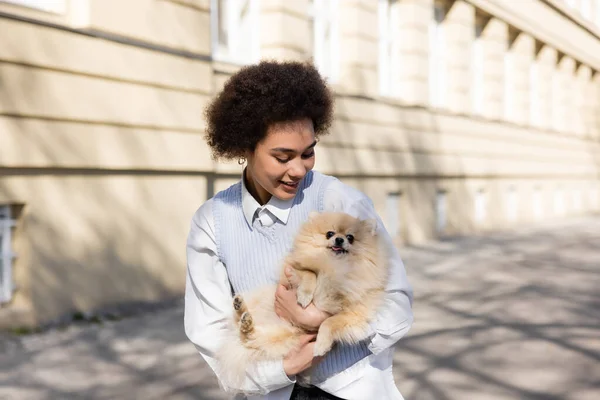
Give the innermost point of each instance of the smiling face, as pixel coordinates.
(337, 233)
(281, 160)
(339, 242)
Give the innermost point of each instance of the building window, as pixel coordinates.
(557, 96)
(586, 9)
(236, 31)
(53, 6)
(594, 197)
(437, 56)
(389, 47)
(512, 204)
(559, 202)
(6, 254)
(509, 81)
(477, 68)
(393, 214)
(480, 206)
(595, 103)
(440, 211)
(538, 208)
(326, 38)
(577, 201)
(534, 93)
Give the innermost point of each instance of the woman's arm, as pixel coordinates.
(395, 317)
(208, 304)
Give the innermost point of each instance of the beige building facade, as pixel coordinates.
(456, 117)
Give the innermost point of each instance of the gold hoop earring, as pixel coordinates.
(241, 160)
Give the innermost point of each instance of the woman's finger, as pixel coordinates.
(281, 289)
(307, 338)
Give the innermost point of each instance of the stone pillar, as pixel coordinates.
(478, 64)
(580, 115)
(286, 30)
(546, 66)
(564, 107)
(508, 76)
(523, 49)
(494, 36)
(558, 89)
(459, 26)
(414, 17)
(594, 110)
(536, 83)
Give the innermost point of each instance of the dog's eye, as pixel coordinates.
(350, 238)
(329, 234)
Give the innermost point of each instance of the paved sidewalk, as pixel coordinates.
(508, 316)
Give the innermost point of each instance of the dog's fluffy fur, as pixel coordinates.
(339, 263)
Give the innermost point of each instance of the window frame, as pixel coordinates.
(6, 254)
(594, 198)
(577, 201)
(228, 52)
(559, 202)
(512, 204)
(537, 203)
(326, 56)
(393, 213)
(53, 6)
(441, 211)
(438, 56)
(481, 206)
(585, 8)
(389, 43)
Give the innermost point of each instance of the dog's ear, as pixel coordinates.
(312, 215)
(371, 226)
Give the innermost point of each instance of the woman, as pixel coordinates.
(270, 116)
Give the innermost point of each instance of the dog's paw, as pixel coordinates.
(304, 298)
(323, 344)
(238, 303)
(246, 323)
(293, 280)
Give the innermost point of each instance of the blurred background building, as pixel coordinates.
(456, 117)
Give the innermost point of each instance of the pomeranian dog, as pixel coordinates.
(339, 263)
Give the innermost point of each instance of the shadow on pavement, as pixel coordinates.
(507, 316)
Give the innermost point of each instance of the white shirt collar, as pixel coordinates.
(279, 208)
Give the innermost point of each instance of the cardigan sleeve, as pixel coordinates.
(395, 316)
(208, 305)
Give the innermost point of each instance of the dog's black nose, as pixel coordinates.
(339, 241)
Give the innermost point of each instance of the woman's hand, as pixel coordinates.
(287, 307)
(302, 357)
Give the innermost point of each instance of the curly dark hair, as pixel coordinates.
(260, 95)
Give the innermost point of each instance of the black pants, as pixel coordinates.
(311, 393)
